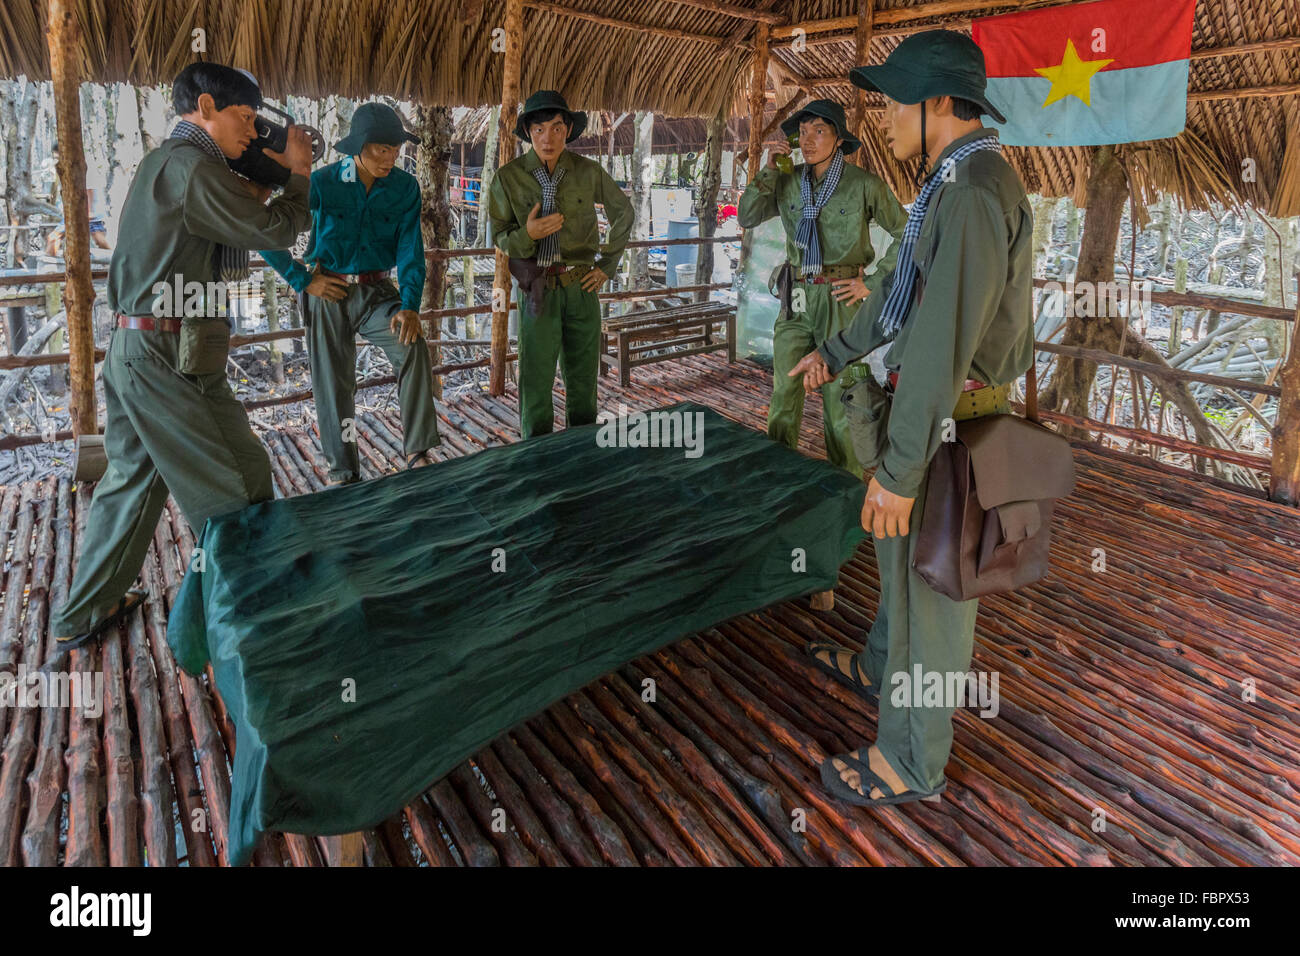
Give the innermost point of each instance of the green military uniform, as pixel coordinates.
(356, 232)
(165, 430)
(568, 324)
(971, 318)
(844, 230)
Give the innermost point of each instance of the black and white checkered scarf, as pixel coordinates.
(228, 263)
(805, 234)
(548, 247)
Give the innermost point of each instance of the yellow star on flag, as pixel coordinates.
(1071, 77)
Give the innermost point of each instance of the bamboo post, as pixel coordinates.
(65, 52)
(757, 91)
(1284, 477)
(866, 23)
(506, 150)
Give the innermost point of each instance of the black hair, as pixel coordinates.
(543, 116)
(965, 109)
(226, 85)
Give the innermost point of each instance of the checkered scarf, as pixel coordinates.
(229, 264)
(899, 303)
(805, 234)
(548, 247)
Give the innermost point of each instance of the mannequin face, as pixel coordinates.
(902, 128)
(379, 158)
(548, 138)
(231, 129)
(817, 140)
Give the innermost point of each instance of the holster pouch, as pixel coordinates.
(204, 347)
(532, 281)
(866, 409)
(780, 283)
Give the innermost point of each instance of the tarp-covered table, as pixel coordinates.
(369, 638)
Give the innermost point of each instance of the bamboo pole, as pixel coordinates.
(514, 26)
(757, 89)
(862, 50)
(1284, 474)
(65, 43)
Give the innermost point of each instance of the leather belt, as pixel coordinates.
(971, 383)
(833, 274)
(562, 276)
(359, 278)
(147, 323)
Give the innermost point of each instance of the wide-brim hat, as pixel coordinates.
(933, 63)
(832, 113)
(374, 123)
(549, 101)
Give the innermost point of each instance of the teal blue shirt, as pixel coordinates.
(354, 231)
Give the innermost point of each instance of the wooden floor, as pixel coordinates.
(1148, 711)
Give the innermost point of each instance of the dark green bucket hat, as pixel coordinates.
(548, 101)
(933, 63)
(832, 113)
(374, 123)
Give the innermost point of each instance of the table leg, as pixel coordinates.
(344, 850)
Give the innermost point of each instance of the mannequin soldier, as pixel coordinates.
(365, 220)
(827, 207)
(543, 211)
(958, 312)
(169, 428)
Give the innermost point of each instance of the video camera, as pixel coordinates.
(254, 164)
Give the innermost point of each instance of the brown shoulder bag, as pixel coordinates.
(988, 510)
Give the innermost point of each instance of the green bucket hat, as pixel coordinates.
(830, 111)
(933, 63)
(374, 123)
(547, 101)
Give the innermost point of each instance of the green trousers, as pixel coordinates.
(165, 431)
(332, 329)
(568, 329)
(796, 334)
(916, 626)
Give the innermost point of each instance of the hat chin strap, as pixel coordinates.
(925, 157)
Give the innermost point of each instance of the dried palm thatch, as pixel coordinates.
(687, 58)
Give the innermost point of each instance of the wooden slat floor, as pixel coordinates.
(1147, 711)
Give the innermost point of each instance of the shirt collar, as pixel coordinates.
(533, 161)
(957, 144)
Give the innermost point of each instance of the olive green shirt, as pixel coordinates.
(182, 204)
(972, 316)
(844, 225)
(515, 190)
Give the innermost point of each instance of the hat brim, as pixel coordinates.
(904, 87)
(577, 120)
(791, 126)
(351, 144)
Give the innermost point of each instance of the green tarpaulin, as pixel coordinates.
(369, 638)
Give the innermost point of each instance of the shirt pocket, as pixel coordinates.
(579, 209)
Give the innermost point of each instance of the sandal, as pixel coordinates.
(867, 691)
(833, 782)
(63, 645)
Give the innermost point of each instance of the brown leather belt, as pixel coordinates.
(360, 278)
(971, 383)
(833, 274)
(147, 323)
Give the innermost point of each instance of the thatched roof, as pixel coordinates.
(687, 58)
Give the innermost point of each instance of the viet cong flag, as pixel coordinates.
(1111, 71)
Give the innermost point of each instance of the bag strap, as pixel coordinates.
(1031, 392)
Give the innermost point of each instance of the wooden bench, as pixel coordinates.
(673, 333)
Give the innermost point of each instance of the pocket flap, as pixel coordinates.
(1015, 460)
